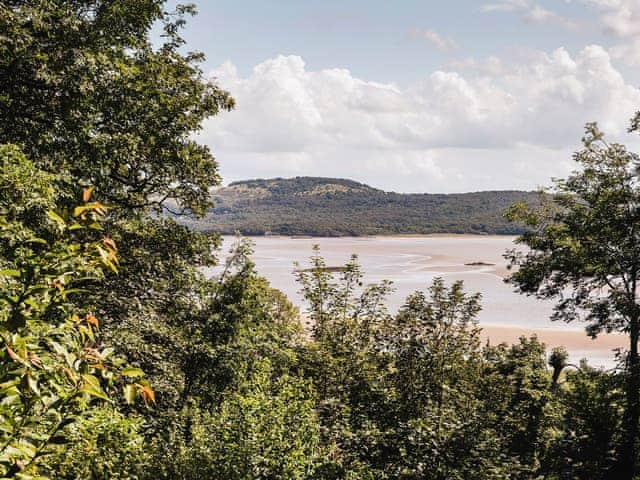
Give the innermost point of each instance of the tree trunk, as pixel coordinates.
(626, 468)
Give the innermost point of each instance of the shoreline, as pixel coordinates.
(552, 337)
(374, 236)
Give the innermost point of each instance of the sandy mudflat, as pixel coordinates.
(572, 339)
(437, 235)
(413, 261)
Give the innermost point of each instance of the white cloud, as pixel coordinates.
(443, 44)
(628, 53)
(530, 12)
(448, 132)
(621, 19)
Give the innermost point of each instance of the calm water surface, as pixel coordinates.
(412, 263)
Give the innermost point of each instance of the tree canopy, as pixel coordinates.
(83, 90)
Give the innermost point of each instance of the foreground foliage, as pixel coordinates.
(416, 396)
(52, 366)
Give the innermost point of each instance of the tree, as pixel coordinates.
(230, 378)
(343, 361)
(415, 395)
(90, 98)
(519, 401)
(114, 443)
(434, 345)
(93, 100)
(265, 429)
(583, 248)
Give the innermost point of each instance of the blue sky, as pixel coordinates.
(373, 38)
(416, 95)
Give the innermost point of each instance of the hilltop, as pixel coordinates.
(338, 207)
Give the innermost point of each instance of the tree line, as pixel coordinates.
(119, 359)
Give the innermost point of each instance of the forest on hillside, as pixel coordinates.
(121, 360)
(337, 207)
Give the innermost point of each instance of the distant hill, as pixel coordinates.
(338, 207)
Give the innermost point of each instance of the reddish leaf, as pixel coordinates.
(148, 394)
(35, 360)
(109, 243)
(91, 320)
(86, 195)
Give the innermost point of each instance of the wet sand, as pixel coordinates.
(571, 339)
(600, 352)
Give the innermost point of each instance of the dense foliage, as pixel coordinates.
(52, 366)
(96, 288)
(416, 396)
(337, 207)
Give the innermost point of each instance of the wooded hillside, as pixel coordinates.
(336, 207)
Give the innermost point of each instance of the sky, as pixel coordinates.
(417, 96)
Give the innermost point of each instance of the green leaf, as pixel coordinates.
(57, 218)
(95, 392)
(91, 380)
(40, 241)
(10, 273)
(129, 394)
(33, 384)
(132, 372)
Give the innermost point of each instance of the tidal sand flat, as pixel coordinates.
(412, 262)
